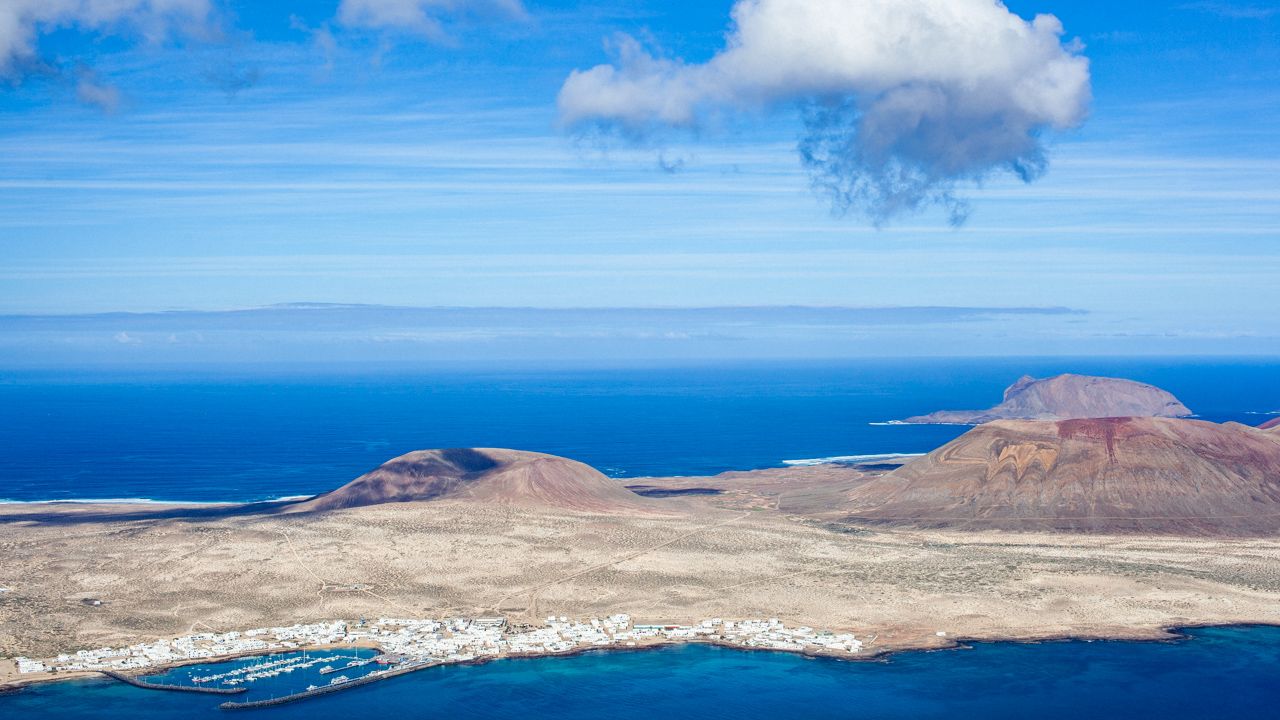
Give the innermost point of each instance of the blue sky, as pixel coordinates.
(273, 153)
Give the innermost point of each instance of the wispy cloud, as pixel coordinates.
(90, 91)
(425, 18)
(1234, 11)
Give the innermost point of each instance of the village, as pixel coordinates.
(414, 642)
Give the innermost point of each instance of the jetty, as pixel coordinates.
(328, 689)
(140, 683)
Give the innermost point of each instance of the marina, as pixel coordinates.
(341, 682)
(274, 668)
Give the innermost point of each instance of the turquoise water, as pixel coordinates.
(1216, 673)
(256, 435)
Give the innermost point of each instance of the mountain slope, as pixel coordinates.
(488, 475)
(1113, 474)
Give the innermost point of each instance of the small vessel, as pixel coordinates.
(357, 662)
(339, 680)
(328, 669)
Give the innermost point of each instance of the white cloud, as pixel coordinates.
(22, 21)
(422, 17)
(901, 98)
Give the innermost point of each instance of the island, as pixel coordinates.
(1067, 397)
(1022, 530)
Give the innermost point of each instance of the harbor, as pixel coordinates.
(336, 653)
(337, 684)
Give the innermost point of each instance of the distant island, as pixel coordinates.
(1067, 397)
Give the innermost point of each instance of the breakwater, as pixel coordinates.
(328, 689)
(137, 682)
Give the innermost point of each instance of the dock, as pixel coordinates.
(328, 689)
(140, 683)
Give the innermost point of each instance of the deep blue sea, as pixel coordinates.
(219, 435)
(1216, 673)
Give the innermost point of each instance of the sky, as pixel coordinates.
(1120, 161)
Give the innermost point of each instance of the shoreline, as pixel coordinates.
(152, 503)
(1168, 634)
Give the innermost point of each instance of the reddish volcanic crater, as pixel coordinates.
(1104, 475)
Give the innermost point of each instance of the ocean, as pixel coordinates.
(239, 435)
(1227, 672)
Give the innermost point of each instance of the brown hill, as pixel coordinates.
(1272, 424)
(1114, 474)
(1066, 397)
(509, 477)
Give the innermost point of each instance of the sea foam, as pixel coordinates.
(147, 501)
(847, 459)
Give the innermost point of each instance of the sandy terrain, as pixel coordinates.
(706, 558)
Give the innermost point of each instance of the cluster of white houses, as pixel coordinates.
(448, 640)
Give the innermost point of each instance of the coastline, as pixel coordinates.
(1168, 633)
(154, 503)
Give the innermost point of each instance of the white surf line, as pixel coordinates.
(151, 501)
(848, 459)
(114, 501)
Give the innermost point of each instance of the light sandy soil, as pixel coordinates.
(897, 588)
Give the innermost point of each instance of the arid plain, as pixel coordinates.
(760, 545)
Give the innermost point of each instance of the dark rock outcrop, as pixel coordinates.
(1066, 397)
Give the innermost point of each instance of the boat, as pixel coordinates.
(357, 662)
(328, 669)
(339, 680)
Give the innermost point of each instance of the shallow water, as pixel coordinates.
(1216, 673)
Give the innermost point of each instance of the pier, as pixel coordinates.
(137, 682)
(328, 689)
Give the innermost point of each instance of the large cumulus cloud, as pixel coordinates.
(900, 99)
